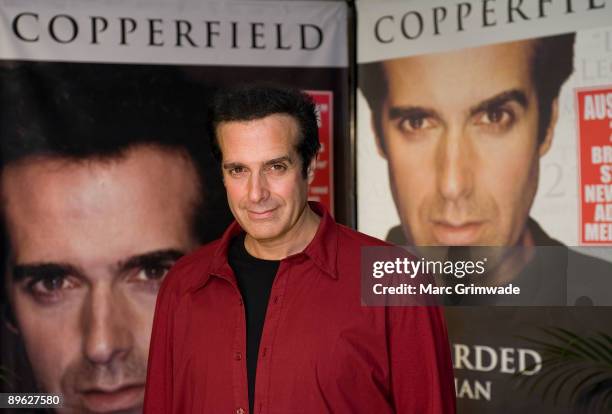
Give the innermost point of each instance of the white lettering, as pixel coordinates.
(597, 106)
(507, 361)
(475, 391)
(605, 173)
(479, 350)
(603, 212)
(601, 154)
(598, 193)
(598, 231)
(462, 352)
(534, 367)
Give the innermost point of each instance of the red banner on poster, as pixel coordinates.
(595, 132)
(322, 187)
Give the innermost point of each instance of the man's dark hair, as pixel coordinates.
(98, 111)
(552, 63)
(256, 101)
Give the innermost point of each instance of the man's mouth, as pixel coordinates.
(463, 233)
(261, 214)
(106, 400)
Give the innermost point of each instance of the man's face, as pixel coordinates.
(262, 173)
(460, 132)
(90, 243)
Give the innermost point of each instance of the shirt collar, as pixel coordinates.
(322, 249)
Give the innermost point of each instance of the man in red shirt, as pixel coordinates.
(268, 319)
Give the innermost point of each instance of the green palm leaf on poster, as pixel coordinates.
(574, 368)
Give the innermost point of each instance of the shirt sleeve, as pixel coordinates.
(421, 368)
(159, 386)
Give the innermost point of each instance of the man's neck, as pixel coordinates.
(293, 241)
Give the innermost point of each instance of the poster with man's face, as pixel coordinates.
(446, 84)
(488, 124)
(106, 175)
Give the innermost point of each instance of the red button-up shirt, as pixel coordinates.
(321, 351)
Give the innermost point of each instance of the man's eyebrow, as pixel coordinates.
(150, 259)
(500, 99)
(284, 158)
(400, 112)
(42, 270)
(230, 165)
(21, 272)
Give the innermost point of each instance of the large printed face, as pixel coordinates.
(262, 173)
(90, 243)
(460, 133)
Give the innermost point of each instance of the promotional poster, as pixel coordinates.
(487, 123)
(107, 174)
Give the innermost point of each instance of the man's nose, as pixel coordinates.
(258, 188)
(455, 164)
(107, 333)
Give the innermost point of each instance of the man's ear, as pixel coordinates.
(380, 146)
(548, 137)
(311, 168)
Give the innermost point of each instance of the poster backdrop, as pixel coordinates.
(559, 201)
(488, 123)
(106, 171)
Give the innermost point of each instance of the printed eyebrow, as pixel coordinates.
(399, 112)
(231, 165)
(21, 272)
(516, 95)
(150, 259)
(500, 99)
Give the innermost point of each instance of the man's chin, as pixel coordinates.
(262, 230)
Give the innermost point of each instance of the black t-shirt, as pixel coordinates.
(255, 277)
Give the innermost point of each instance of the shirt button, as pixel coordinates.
(240, 411)
(237, 356)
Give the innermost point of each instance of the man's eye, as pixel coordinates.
(50, 289)
(495, 116)
(414, 124)
(153, 273)
(278, 167)
(237, 171)
(47, 285)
